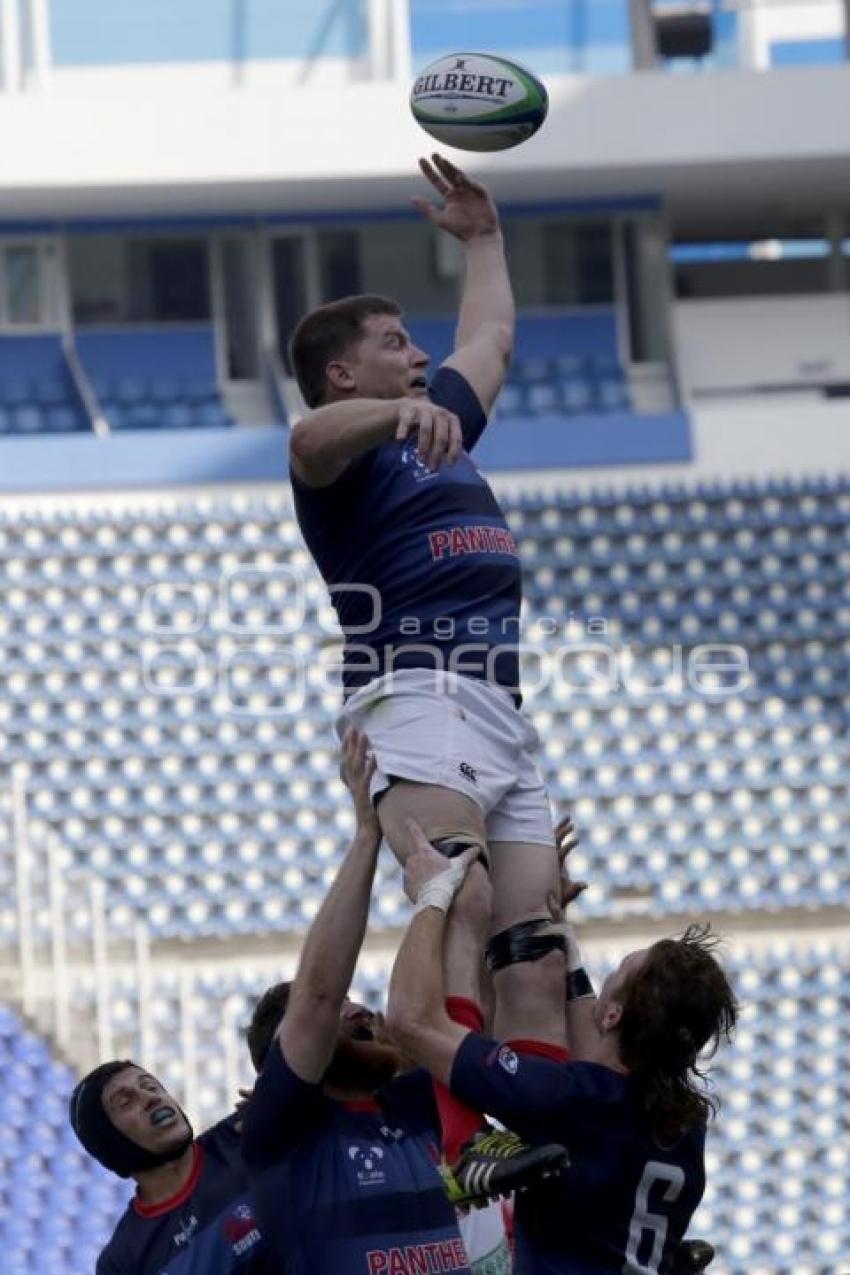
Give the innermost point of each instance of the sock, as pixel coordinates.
(540, 1049)
(458, 1121)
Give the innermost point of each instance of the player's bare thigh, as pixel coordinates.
(529, 994)
(439, 811)
(525, 881)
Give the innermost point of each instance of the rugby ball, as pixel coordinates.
(477, 102)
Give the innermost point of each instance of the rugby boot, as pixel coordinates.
(495, 1163)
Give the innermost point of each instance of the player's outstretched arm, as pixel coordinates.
(324, 443)
(416, 1014)
(485, 331)
(309, 1030)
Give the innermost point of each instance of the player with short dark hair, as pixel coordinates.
(192, 1213)
(629, 1105)
(328, 334)
(265, 1022)
(425, 576)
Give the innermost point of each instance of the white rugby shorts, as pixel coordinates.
(461, 733)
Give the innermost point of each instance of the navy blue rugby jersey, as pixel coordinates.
(430, 546)
(208, 1228)
(624, 1204)
(350, 1188)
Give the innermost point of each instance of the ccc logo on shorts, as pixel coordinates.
(468, 772)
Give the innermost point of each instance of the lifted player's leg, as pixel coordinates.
(451, 821)
(526, 950)
(480, 1163)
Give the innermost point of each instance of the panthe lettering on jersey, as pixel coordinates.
(418, 1259)
(482, 539)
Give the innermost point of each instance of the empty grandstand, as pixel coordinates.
(672, 450)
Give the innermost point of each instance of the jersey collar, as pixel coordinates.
(362, 1104)
(181, 1196)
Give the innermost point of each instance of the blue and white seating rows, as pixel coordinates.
(564, 364)
(166, 378)
(163, 685)
(149, 379)
(36, 392)
(57, 1206)
(564, 386)
(142, 378)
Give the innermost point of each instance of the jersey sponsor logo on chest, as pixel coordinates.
(454, 541)
(187, 1230)
(240, 1230)
(414, 462)
(367, 1161)
(418, 1259)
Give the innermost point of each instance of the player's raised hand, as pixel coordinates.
(437, 432)
(356, 768)
(566, 840)
(425, 867)
(467, 211)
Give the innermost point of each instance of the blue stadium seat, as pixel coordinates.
(61, 419)
(165, 389)
(52, 391)
(511, 400)
(198, 391)
(15, 391)
(570, 366)
(577, 396)
(177, 415)
(143, 415)
(212, 415)
(544, 397)
(531, 369)
(612, 394)
(28, 419)
(129, 390)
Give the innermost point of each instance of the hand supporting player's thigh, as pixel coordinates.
(451, 820)
(416, 1012)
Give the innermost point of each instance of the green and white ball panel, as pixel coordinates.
(478, 103)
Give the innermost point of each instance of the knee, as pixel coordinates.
(526, 944)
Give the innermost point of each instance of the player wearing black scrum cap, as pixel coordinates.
(192, 1210)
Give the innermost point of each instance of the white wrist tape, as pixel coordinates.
(441, 889)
